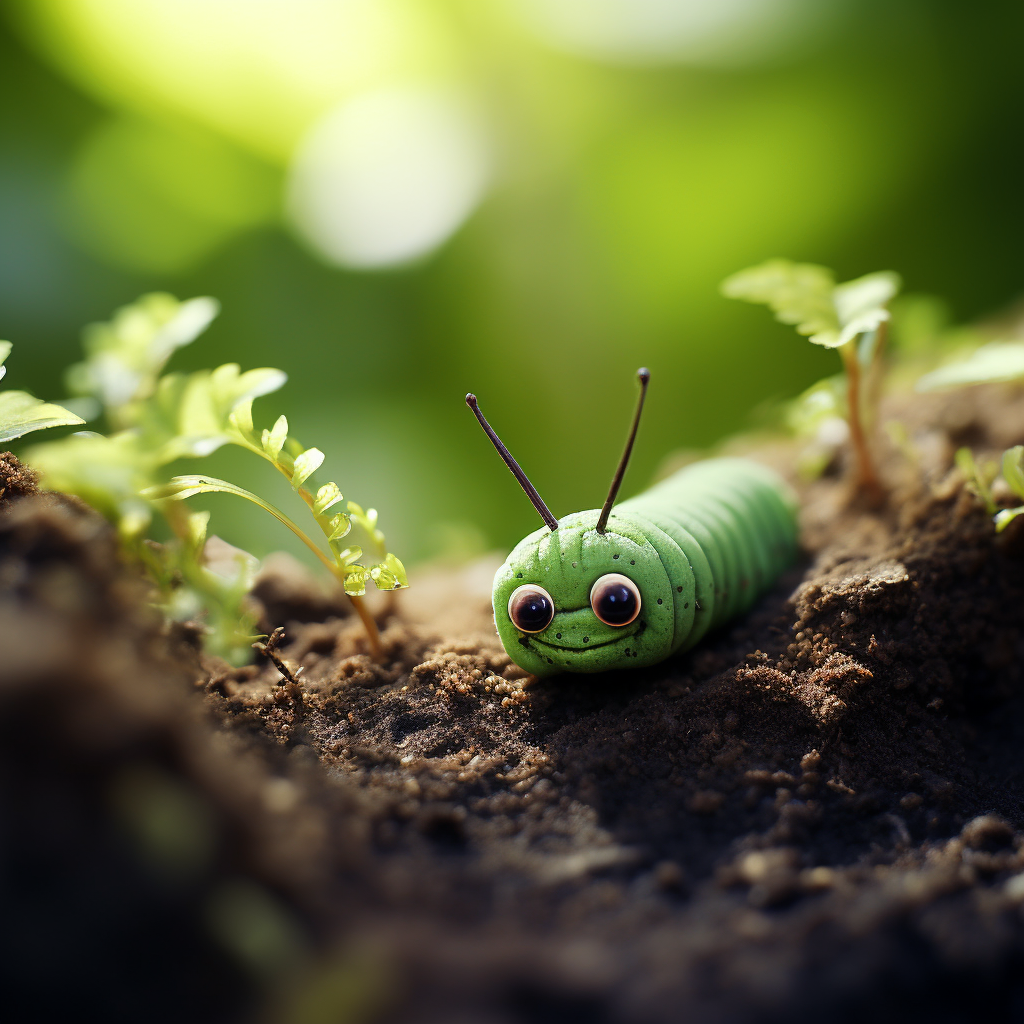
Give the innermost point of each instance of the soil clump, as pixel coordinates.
(817, 811)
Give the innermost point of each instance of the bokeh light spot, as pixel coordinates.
(683, 31)
(388, 177)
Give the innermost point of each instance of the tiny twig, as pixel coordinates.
(269, 650)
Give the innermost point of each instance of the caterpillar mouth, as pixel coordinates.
(591, 647)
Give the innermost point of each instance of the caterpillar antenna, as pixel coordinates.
(644, 376)
(517, 472)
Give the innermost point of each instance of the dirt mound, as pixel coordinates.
(817, 811)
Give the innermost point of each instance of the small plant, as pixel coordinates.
(849, 317)
(157, 418)
(20, 413)
(978, 477)
(1013, 474)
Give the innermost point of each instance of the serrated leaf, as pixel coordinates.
(1013, 469)
(996, 361)
(1007, 516)
(797, 293)
(21, 413)
(806, 295)
(326, 497)
(305, 466)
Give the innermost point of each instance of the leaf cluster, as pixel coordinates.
(156, 418)
(979, 478)
(21, 413)
(807, 296)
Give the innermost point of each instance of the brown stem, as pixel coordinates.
(866, 477)
(873, 391)
(269, 650)
(372, 633)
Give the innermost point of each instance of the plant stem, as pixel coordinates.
(873, 389)
(372, 633)
(866, 477)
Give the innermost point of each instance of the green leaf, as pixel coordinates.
(241, 419)
(340, 525)
(860, 304)
(5, 351)
(273, 440)
(797, 293)
(996, 361)
(326, 497)
(355, 580)
(348, 556)
(305, 466)
(20, 413)
(1013, 469)
(806, 295)
(124, 357)
(1007, 516)
(394, 564)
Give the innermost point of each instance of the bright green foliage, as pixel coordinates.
(298, 464)
(996, 361)
(158, 418)
(807, 296)
(124, 357)
(978, 477)
(20, 413)
(1013, 474)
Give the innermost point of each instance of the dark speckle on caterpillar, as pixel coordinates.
(630, 585)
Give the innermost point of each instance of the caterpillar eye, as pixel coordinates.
(615, 599)
(530, 608)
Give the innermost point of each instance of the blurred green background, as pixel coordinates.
(399, 201)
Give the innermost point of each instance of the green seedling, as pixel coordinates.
(155, 419)
(992, 363)
(333, 515)
(1013, 474)
(849, 317)
(978, 477)
(20, 413)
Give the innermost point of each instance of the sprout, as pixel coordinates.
(158, 418)
(850, 317)
(1013, 474)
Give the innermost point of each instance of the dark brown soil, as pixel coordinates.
(817, 813)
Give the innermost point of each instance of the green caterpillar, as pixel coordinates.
(602, 590)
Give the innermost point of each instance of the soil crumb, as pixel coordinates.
(816, 813)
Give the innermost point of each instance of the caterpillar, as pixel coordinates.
(629, 586)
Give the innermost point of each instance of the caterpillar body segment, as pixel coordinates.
(698, 548)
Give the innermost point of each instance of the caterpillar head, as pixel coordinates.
(589, 593)
(576, 600)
